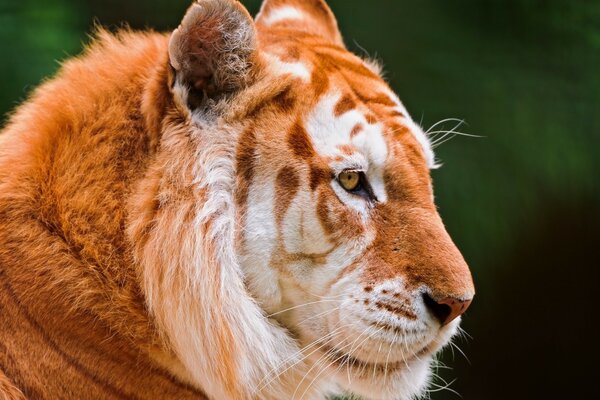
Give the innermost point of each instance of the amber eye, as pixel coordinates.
(350, 180)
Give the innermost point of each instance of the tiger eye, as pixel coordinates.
(349, 180)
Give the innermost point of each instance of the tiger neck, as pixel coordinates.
(47, 351)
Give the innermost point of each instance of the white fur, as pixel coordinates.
(281, 14)
(297, 69)
(328, 133)
(265, 343)
(188, 319)
(417, 131)
(260, 233)
(313, 240)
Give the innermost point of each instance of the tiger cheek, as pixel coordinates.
(338, 221)
(328, 220)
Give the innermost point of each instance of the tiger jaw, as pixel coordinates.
(380, 379)
(386, 357)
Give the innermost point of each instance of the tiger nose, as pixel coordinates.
(447, 309)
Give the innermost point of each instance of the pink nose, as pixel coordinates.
(447, 309)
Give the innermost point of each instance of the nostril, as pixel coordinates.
(447, 309)
(440, 311)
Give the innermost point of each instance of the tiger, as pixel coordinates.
(238, 209)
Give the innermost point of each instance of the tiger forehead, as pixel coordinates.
(342, 104)
(337, 83)
(318, 63)
(315, 71)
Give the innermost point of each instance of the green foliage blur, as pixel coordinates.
(521, 202)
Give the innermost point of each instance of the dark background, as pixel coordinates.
(521, 202)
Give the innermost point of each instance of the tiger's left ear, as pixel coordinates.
(304, 16)
(213, 52)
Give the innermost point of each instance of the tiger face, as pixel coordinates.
(337, 234)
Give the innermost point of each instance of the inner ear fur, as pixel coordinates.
(214, 50)
(306, 16)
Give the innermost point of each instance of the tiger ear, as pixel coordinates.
(213, 51)
(306, 16)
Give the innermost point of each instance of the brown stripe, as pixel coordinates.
(319, 175)
(292, 54)
(396, 309)
(285, 100)
(384, 325)
(398, 129)
(345, 104)
(346, 61)
(345, 271)
(245, 164)
(281, 101)
(323, 213)
(358, 128)
(287, 185)
(371, 119)
(70, 360)
(320, 81)
(380, 99)
(347, 149)
(299, 142)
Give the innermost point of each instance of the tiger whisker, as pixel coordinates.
(319, 361)
(374, 366)
(328, 297)
(318, 315)
(446, 134)
(304, 357)
(275, 375)
(340, 357)
(433, 134)
(446, 386)
(463, 334)
(454, 345)
(461, 121)
(300, 306)
(387, 357)
(354, 348)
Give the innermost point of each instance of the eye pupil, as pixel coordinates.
(357, 184)
(350, 180)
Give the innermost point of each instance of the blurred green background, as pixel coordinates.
(521, 202)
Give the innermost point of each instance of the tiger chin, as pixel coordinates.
(240, 209)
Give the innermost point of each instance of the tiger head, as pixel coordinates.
(336, 234)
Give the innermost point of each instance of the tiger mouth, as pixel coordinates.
(340, 359)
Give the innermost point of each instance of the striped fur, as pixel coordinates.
(171, 225)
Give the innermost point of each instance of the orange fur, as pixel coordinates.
(111, 267)
(68, 161)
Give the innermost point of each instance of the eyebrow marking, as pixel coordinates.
(347, 149)
(345, 104)
(358, 128)
(318, 175)
(320, 82)
(371, 119)
(379, 99)
(287, 184)
(299, 142)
